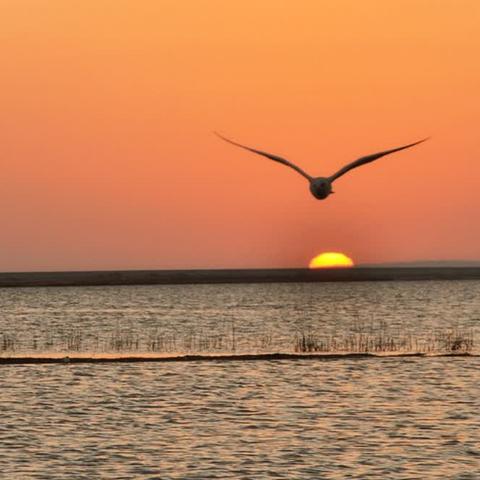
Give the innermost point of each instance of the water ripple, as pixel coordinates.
(395, 418)
(392, 418)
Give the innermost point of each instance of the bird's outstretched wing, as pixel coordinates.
(370, 158)
(268, 155)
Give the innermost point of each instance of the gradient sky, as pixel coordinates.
(107, 109)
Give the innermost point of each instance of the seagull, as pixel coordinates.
(321, 187)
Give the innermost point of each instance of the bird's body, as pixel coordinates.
(321, 187)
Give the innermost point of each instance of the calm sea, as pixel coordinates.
(381, 417)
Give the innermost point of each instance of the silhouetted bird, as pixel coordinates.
(321, 187)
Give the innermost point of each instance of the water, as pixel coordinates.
(396, 418)
(224, 318)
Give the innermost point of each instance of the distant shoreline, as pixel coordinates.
(176, 277)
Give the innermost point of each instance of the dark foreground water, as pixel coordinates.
(381, 418)
(395, 418)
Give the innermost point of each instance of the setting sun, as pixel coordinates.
(331, 260)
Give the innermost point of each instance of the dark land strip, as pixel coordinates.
(223, 358)
(165, 277)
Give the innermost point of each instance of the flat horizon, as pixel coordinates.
(280, 275)
(392, 264)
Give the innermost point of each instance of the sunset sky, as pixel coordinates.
(107, 113)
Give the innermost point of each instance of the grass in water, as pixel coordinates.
(451, 340)
(374, 340)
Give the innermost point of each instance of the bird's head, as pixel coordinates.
(321, 187)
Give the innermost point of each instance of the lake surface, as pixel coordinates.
(396, 418)
(244, 318)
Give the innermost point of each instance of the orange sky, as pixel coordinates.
(107, 108)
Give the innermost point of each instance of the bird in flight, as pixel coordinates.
(321, 187)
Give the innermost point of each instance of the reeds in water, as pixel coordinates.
(123, 341)
(8, 342)
(360, 339)
(449, 341)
